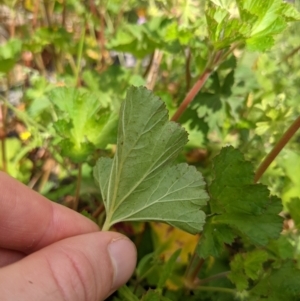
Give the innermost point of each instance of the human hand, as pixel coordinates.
(49, 252)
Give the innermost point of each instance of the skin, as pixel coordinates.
(49, 252)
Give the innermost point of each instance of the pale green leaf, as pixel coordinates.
(141, 183)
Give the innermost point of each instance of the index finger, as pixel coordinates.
(29, 222)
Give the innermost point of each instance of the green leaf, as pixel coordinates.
(260, 43)
(268, 222)
(141, 183)
(126, 294)
(289, 12)
(294, 210)
(256, 23)
(82, 124)
(153, 295)
(238, 204)
(281, 284)
(213, 238)
(9, 54)
(245, 266)
(168, 268)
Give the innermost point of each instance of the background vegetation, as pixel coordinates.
(242, 89)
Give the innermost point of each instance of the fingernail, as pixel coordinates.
(122, 253)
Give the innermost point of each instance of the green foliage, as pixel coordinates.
(245, 266)
(80, 125)
(152, 295)
(255, 23)
(9, 54)
(52, 136)
(282, 283)
(168, 269)
(141, 183)
(236, 205)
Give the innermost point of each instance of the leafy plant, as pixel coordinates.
(227, 71)
(140, 183)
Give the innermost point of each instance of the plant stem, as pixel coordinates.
(78, 184)
(197, 269)
(193, 270)
(98, 211)
(277, 148)
(290, 54)
(24, 117)
(192, 94)
(216, 59)
(64, 14)
(154, 68)
(47, 12)
(35, 14)
(106, 225)
(101, 37)
(79, 56)
(216, 289)
(187, 69)
(208, 279)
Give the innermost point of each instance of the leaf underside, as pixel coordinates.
(141, 183)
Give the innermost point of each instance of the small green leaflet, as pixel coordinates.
(247, 266)
(141, 183)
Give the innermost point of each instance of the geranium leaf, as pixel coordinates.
(141, 183)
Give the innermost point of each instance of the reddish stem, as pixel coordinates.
(35, 14)
(216, 59)
(277, 148)
(192, 94)
(98, 211)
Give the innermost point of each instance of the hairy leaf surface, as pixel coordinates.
(141, 183)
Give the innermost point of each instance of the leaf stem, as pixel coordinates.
(193, 269)
(98, 211)
(188, 76)
(154, 69)
(79, 56)
(277, 148)
(47, 13)
(290, 54)
(106, 224)
(217, 289)
(78, 184)
(212, 64)
(209, 279)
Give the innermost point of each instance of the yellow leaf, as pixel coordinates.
(173, 239)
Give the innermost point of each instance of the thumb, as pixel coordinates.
(87, 267)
